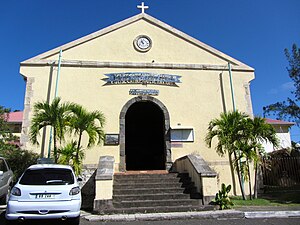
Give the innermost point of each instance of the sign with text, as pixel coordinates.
(143, 92)
(142, 78)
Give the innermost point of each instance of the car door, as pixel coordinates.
(4, 177)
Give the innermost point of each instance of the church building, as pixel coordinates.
(158, 89)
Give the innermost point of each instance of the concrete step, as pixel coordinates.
(158, 209)
(154, 193)
(164, 196)
(147, 185)
(154, 203)
(148, 180)
(146, 175)
(140, 191)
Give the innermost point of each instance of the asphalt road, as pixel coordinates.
(289, 221)
(294, 221)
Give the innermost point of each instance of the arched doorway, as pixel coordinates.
(144, 132)
(144, 135)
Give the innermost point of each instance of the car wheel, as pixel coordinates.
(10, 222)
(74, 221)
(5, 198)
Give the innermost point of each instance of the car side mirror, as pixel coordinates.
(1, 173)
(79, 179)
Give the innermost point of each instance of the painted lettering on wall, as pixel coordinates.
(142, 78)
(143, 92)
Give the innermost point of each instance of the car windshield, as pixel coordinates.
(47, 176)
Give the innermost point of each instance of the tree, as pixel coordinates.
(54, 115)
(255, 132)
(259, 132)
(6, 136)
(227, 129)
(81, 121)
(242, 137)
(18, 159)
(5, 133)
(289, 109)
(64, 117)
(246, 156)
(90, 123)
(70, 155)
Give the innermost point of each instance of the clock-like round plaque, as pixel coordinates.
(142, 43)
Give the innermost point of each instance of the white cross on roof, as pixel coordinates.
(143, 7)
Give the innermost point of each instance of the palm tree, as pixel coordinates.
(67, 153)
(228, 130)
(247, 155)
(242, 137)
(90, 122)
(53, 115)
(260, 132)
(70, 155)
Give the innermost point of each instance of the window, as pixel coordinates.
(182, 134)
(47, 176)
(16, 128)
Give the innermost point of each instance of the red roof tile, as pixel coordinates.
(279, 122)
(15, 117)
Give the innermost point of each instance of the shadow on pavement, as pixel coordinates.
(2, 217)
(283, 196)
(32, 222)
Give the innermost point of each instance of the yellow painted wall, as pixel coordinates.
(118, 46)
(194, 103)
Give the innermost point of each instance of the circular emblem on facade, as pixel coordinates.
(142, 43)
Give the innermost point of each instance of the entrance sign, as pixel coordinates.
(143, 92)
(142, 78)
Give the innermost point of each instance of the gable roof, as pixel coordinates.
(142, 16)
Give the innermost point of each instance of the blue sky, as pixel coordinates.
(255, 32)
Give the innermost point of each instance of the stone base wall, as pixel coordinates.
(87, 186)
(100, 206)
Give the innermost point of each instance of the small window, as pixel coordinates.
(182, 134)
(15, 128)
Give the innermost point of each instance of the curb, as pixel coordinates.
(272, 214)
(167, 216)
(225, 214)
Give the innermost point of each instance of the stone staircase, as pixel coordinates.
(148, 193)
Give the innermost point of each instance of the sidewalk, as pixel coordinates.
(241, 212)
(270, 211)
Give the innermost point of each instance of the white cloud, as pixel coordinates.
(285, 87)
(288, 86)
(273, 91)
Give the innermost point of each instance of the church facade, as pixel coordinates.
(157, 87)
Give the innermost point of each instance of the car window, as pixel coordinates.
(3, 166)
(47, 176)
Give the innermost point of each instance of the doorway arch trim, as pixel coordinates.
(122, 165)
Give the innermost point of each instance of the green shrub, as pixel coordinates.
(222, 199)
(18, 159)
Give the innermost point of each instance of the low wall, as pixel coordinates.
(202, 175)
(104, 183)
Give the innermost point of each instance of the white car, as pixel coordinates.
(45, 191)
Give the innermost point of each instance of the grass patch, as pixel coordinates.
(270, 199)
(255, 202)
